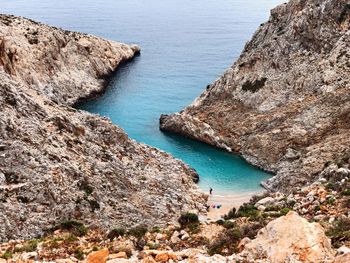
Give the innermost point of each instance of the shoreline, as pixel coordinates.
(94, 94)
(227, 202)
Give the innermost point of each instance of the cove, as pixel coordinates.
(136, 112)
(185, 46)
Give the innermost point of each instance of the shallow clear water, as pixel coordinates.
(185, 46)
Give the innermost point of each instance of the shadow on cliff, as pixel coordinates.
(123, 69)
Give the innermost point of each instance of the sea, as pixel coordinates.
(186, 45)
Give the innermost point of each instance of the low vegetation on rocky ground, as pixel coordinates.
(326, 201)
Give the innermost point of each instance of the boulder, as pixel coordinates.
(265, 201)
(98, 256)
(290, 238)
(165, 257)
(343, 250)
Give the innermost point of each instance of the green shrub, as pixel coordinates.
(216, 247)
(28, 246)
(340, 232)
(271, 208)
(291, 203)
(71, 238)
(190, 221)
(234, 234)
(94, 205)
(138, 231)
(156, 229)
(248, 210)
(86, 187)
(115, 233)
(284, 211)
(220, 222)
(77, 228)
(228, 224)
(231, 214)
(346, 192)
(228, 241)
(251, 230)
(31, 245)
(153, 245)
(194, 228)
(52, 244)
(330, 186)
(79, 254)
(245, 210)
(330, 201)
(254, 86)
(7, 255)
(347, 203)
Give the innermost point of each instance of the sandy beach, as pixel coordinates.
(227, 202)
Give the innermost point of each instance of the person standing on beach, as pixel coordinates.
(211, 190)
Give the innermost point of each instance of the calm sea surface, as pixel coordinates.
(185, 46)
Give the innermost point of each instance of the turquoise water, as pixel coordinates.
(185, 46)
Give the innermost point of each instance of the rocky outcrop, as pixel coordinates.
(250, 234)
(290, 238)
(76, 65)
(284, 104)
(58, 163)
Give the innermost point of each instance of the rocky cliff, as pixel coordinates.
(64, 66)
(284, 104)
(58, 163)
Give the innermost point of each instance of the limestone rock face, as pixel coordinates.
(75, 64)
(58, 163)
(290, 238)
(285, 103)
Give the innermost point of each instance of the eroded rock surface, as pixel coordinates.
(58, 163)
(290, 238)
(285, 103)
(76, 65)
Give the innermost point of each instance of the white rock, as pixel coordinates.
(29, 255)
(175, 238)
(261, 208)
(159, 236)
(331, 219)
(265, 201)
(319, 217)
(343, 250)
(343, 171)
(290, 238)
(322, 180)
